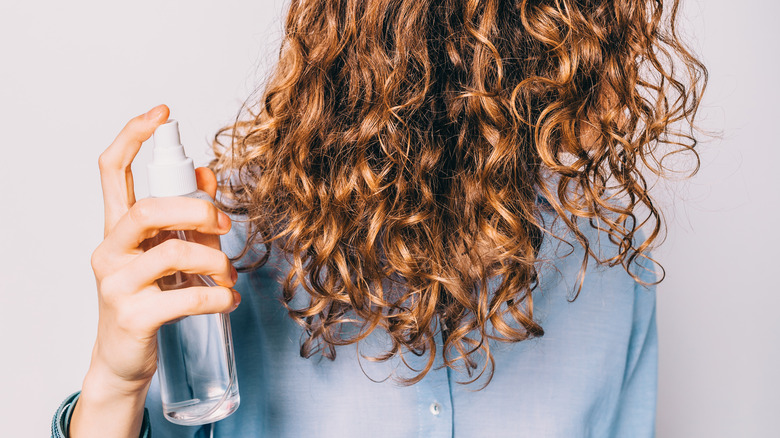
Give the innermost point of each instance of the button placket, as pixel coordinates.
(434, 399)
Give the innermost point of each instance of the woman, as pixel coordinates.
(450, 195)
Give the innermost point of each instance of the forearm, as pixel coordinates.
(108, 407)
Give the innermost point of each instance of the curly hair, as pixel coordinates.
(400, 148)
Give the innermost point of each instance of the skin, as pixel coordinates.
(131, 306)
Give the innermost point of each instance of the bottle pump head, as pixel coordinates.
(171, 172)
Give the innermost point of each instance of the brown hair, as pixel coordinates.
(398, 152)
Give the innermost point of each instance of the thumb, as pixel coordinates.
(207, 181)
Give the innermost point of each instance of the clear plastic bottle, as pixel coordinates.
(195, 362)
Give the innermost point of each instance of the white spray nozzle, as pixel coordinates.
(171, 172)
(166, 136)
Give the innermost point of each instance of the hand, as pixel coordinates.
(131, 305)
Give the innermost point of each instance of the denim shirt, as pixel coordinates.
(592, 374)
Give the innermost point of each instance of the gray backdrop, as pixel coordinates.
(73, 72)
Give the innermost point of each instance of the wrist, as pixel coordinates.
(100, 384)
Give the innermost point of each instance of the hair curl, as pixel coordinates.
(399, 149)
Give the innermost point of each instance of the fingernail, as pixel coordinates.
(224, 221)
(236, 298)
(233, 274)
(155, 113)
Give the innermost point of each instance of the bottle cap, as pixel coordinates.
(171, 172)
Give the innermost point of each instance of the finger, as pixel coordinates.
(171, 256)
(161, 307)
(116, 178)
(207, 181)
(148, 216)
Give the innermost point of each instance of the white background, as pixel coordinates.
(72, 73)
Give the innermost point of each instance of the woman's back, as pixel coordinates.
(593, 373)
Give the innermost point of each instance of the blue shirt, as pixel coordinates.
(592, 374)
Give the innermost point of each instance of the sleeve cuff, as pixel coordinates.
(61, 421)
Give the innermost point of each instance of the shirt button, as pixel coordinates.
(435, 408)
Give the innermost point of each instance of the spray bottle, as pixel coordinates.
(195, 362)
